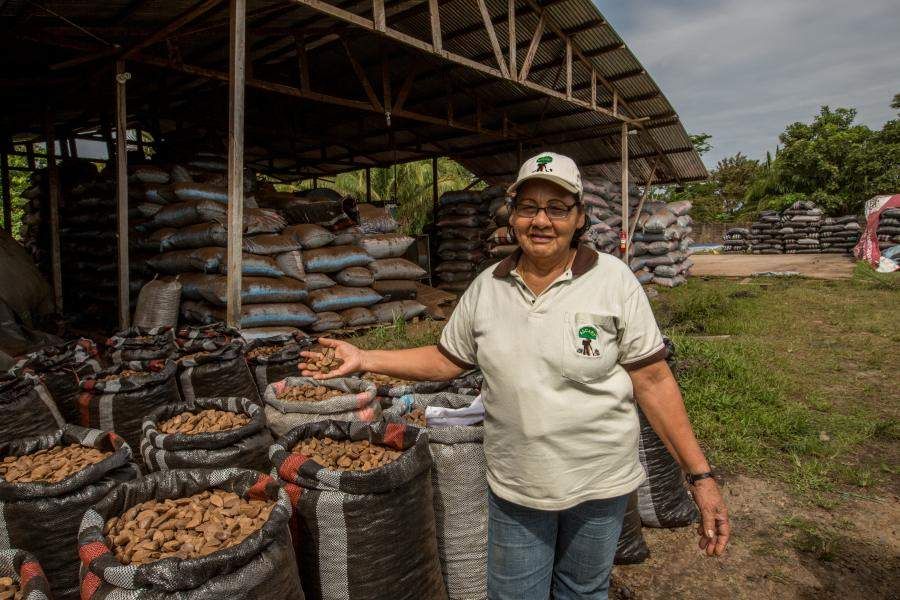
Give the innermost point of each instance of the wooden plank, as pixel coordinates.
(363, 79)
(435, 14)
(513, 43)
(7, 196)
(237, 47)
(532, 48)
(615, 102)
(378, 15)
(492, 36)
(569, 68)
(173, 26)
(303, 62)
(124, 297)
(53, 185)
(405, 88)
(625, 207)
(594, 88)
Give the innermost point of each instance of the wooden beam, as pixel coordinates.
(405, 88)
(532, 49)
(513, 42)
(363, 79)
(173, 26)
(378, 15)
(435, 14)
(124, 296)
(53, 187)
(492, 36)
(625, 207)
(368, 184)
(7, 197)
(303, 63)
(569, 69)
(594, 88)
(237, 46)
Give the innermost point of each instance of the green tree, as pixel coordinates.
(733, 176)
(895, 104)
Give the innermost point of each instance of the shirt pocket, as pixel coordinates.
(591, 348)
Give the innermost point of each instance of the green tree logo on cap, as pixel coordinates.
(542, 163)
(587, 334)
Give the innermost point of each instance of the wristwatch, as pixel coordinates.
(693, 478)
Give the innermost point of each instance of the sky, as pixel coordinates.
(741, 70)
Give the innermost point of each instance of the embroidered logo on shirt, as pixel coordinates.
(542, 165)
(587, 334)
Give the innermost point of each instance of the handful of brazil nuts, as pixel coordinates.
(415, 417)
(50, 465)
(347, 455)
(385, 380)
(325, 363)
(205, 421)
(187, 527)
(308, 393)
(262, 352)
(9, 589)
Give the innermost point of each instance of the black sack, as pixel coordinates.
(279, 364)
(138, 343)
(262, 567)
(246, 447)
(26, 408)
(210, 369)
(120, 405)
(43, 518)
(60, 368)
(24, 569)
(631, 548)
(364, 535)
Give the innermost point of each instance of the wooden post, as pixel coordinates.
(139, 138)
(73, 146)
(640, 206)
(7, 198)
(368, 184)
(53, 181)
(511, 26)
(237, 42)
(434, 185)
(29, 153)
(435, 15)
(568, 68)
(625, 199)
(122, 196)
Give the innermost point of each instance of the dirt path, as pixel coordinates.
(780, 549)
(818, 266)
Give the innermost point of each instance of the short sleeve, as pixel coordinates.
(458, 340)
(641, 342)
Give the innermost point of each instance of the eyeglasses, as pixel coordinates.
(556, 210)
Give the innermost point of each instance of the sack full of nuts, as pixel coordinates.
(299, 400)
(391, 387)
(60, 368)
(26, 408)
(365, 511)
(460, 491)
(140, 344)
(197, 336)
(21, 577)
(46, 485)
(273, 358)
(191, 534)
(119, 398)
(212, 369)
(208, 433)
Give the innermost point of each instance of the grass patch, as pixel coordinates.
(399, 335)
(813, 539)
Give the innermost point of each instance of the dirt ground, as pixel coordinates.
(818, 266)
(770, 558)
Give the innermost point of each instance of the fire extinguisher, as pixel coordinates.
(622, 238)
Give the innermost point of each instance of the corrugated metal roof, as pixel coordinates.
(308, 137)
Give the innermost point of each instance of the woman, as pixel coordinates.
(566, 341)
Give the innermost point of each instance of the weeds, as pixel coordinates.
(813, 539)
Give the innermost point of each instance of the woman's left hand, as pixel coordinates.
(714, 528)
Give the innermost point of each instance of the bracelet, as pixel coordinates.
(693, 478)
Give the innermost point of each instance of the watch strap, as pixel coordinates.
(693, 478)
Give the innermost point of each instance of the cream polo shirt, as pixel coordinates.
(561, 425)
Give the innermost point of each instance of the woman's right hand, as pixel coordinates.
(351, 356)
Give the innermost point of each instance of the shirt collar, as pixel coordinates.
(585, 259)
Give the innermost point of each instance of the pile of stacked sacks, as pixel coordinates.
(888, 230)
(661, 244)
(737, 240)
(800, 225)
(764, 237)
(838, 235)
(603, 207)
(500, 241)
(461, 219)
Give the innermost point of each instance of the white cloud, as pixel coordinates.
(742, 71)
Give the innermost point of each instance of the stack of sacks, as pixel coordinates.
(500, 241)
(800, 228)
(764, 237)
(603, 208)
(888, 230)
(661, 244)
(838, 235)
(737, 240)
(461, 221)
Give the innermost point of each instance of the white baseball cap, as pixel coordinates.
(551, 166)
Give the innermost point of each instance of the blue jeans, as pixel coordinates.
(563, 555)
